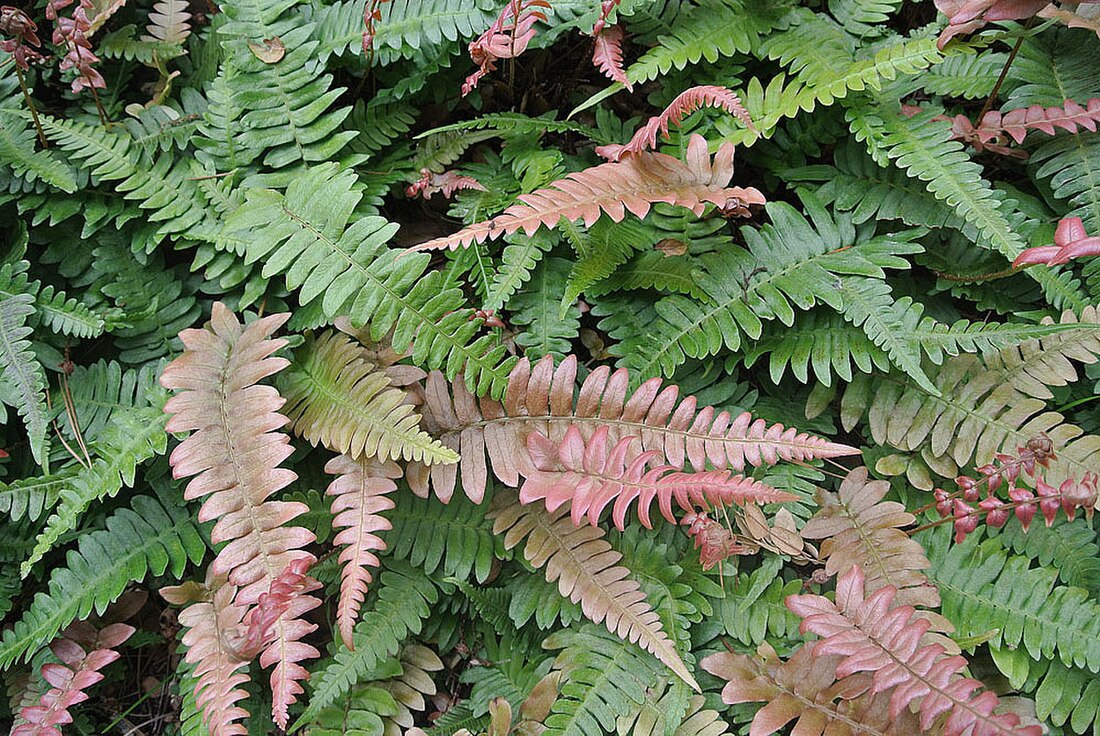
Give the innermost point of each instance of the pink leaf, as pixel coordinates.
(608, 55)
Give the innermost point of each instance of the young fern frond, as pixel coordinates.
(873, 633)
(859, 528)
(608, 55)
(586, 570)
(633, 185)
(83, 654)
(591, 475)
(540, 398)
(337, 397)
(234, 453)
(805, 688)
(359, 496)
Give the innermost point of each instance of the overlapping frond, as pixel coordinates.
(587, 571)
(337, 397)
(590, 476)
(540, 398)
(23, 372)
(633, 185)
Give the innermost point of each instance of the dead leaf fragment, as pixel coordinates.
(271, 51)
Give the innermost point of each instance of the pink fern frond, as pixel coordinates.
(359, 496)
(80, 668)
(1070, 241)
(591, 475)
(632, 185)
(608, 55)
(876, 635)
(506, 38)
(447, 183)
(685, 103)
(286, 605)
(606, 6)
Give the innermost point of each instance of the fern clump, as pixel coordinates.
(550, 367)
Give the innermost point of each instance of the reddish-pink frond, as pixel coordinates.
(234, 452)
(506, 38)
(685, 103)
(873, 634)
(286, 605)
(606, 6)
(967, 16)
(591, 475)
(632, 185)
(83, 652)
(608, 55)
(448, 183)
(541, 398)
(359, 496)
(1070, 241)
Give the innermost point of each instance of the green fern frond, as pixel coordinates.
(603, 678)
(533, 600)
(1063, 695)
(652, 270)
(549, 326)
(790, 264)
(863, 18)
(31, 497)
(985, 589)
(819, 340)
(1071, 164)
(377, 126)
(455, 539)
(514, 123)
(520, 257)
(308, 234)
(23, 372)
(150, 536)
(134, 437)
(923, 147)
(756, 610)
(336, 397)
(1068, 547)
(404, 600)
(123, 43)
(1051, 68)
(172, 199)
(601, 250)
(102, 390)
(970, 76)
(66, 316)
(17, 150)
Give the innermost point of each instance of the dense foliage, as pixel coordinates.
(427, 366)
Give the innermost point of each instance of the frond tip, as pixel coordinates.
(632, 185)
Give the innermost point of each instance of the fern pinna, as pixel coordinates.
(428, 367)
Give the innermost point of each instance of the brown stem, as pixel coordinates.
(99, 107)
(30, 105)
(1004, 72)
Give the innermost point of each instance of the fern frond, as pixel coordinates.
(549, 327)
(104, 389)
(591, 475)
(821, 341)
(1068, 547)
(135, 436)
(164, 189)
(454, 539)
(308, 233)
(987, 405)
(759, 614)
(31, 497)
(66, 316)
(602, 678)
(540, 398)
(859, 528)
(614, 188)
(169, 22)
(405, 599)
(921, 677)
(359, 497)
(337, 397)
(517, 261)
(585, 568)
(148, 536)
(985, 589)
(218, 671)
(1069, 162)
(17, 151)
(791, 263)
(79, 670)
(234, 455)
(804, 688)
(23, 372)
(687, 102)
(608, 55)
(922, 146)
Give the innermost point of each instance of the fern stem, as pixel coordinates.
(30, 106)
(99, 107)
(1004, 70)
(61, 437)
